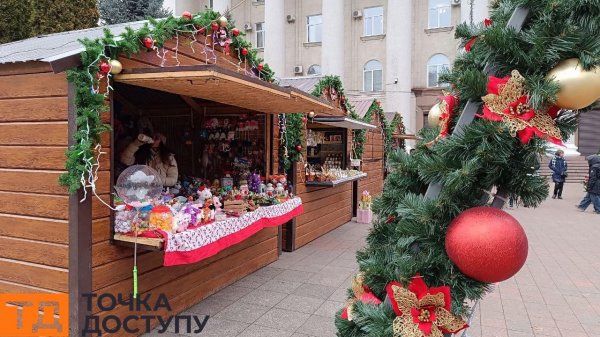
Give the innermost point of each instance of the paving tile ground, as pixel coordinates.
(557, 293)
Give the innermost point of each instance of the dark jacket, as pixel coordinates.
(558, 165)
(593, 185)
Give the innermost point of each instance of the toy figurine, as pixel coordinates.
(279, 190)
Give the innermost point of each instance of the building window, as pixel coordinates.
(260, 35)
(435, 66)
(373, 21)
(373, 76)
(314, 28)
(315, 69)
(440, 13)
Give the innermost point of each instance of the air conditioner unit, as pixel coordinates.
(291, 18)
(248, 27)
(456, 2)
(358, 14)
(298, 70)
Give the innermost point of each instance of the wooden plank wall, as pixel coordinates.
(183, 285)
(33, 207)
(373, 161)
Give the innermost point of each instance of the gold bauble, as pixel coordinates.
(115, 67)
(223, 21)
(578, 88)
(311, 114)
(434, 116)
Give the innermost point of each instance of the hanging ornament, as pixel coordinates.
(299, 148)
(260, 67)
(488, 22)
(361, 293)
(578, 88)
(235, 32)
(202, 30)
(311, 115)
(508, 102)
(223, 21)
(104, 67)
(187, 15)
(486, 244)
(214, 26)
(115, 67)
(148, 42)
(435, 115)
(304, 120)
(422, 311)
(244, 51)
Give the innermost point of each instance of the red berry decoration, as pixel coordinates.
(187, 15)
(104, 67)
(214, 26)
(304, 120)
(260, 67)
(148, 42)
(235, 32)
(299, 148)
(244, 51)
(486, 244)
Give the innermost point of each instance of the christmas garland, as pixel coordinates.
(291, 127)
(82, 157)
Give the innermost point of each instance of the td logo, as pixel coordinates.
(34, 315)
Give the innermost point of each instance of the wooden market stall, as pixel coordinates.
(53, 241)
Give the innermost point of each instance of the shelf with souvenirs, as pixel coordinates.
(326, 158)
(222, 195)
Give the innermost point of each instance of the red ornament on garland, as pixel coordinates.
(304, 120)
(260, 67)
(214, 26)
(104, 67)
(187, 15)
(202, 30)
(488, 22)
(299, 148)
(235, 32)
(244, 51)
(486, 244)
(148, 42)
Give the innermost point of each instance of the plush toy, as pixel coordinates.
(279, 190)
(204, 194)
(182, 221)
(217, 204)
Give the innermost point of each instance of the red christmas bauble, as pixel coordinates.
(486, 244)
(104, 67)
(148, 42)
(202, 30)
(214, 26)
(299, 148)
(260, 67)
(187, 15)
(244, 51)
(304, 120)
(235, 32)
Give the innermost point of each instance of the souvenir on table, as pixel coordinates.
(124, 220)
(270, 189)
(364, 214)
(244, 189)
(161, 218)
(227, 182)
(181, 221)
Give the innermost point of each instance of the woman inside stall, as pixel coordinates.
(152, 151)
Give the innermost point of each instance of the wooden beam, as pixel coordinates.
(192, 103)
(80, 241)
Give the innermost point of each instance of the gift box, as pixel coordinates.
(364, 216)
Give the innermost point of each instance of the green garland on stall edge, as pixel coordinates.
(89, 105)
(294, 124)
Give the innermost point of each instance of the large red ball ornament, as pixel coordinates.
(299, 148)
(486, 244)
(104, 67)
(235, 32)
(244, 51)
(214, 26)
(187, 15)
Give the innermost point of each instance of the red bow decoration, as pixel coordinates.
(508, 102)
(361, 293)
(447, 106)
(422, 311)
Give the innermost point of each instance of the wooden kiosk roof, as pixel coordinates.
(215, 83)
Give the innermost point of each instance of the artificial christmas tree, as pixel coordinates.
(504, 115)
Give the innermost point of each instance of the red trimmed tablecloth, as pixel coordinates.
(197, 244)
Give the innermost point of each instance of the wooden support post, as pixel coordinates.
(80, 242)
(290, 226)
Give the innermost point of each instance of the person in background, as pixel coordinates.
(558, 165)
(152, 151)
(593, 185)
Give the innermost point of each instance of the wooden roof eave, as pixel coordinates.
(214, 83)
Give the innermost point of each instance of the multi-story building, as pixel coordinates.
(393, 50)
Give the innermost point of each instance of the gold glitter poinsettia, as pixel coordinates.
(422, 311)
(507, 102)
(361, 293)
